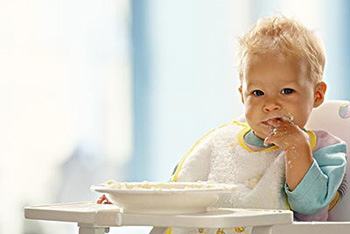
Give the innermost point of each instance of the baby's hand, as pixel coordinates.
(103, 200)
(285, 134)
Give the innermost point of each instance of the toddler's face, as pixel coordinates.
(275, 87)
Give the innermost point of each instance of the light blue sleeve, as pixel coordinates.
(320, 184)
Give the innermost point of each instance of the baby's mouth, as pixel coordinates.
(267, 122)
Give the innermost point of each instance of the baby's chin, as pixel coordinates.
(259, 129)
(260, 134)
(263, 131)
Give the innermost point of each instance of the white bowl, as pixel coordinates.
(162, 198)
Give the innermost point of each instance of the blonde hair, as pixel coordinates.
(282, 35)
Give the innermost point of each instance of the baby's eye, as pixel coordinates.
(258, 93)
(287, 91)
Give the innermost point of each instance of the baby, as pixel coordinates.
(276, 162)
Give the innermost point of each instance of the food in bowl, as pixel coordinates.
(163, 197)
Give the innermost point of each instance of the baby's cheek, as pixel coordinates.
(250, 114)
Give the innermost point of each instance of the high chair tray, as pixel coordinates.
(111, 215)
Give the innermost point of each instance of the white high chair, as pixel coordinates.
(92, 218)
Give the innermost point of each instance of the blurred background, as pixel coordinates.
(121, 89)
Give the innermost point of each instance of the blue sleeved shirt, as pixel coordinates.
(319, 186)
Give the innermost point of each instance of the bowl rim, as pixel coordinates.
(211, 188)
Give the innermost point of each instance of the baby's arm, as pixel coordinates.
(313, 189)
(294, 141)
(319, 186)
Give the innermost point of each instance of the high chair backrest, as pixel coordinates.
(334, 117)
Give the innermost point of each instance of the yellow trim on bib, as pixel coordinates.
(312, 139)
(179, 167)
(240, 123)
(247, 128)
(287, 203)
(168, 231)
(334, 201)
(242, 142)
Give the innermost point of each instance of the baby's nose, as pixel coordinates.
(272, 106)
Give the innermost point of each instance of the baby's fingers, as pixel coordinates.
(103, 200)
(270, 138)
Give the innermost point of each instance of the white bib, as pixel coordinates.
(221, 156)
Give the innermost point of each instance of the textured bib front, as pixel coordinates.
(222, 157)
(259, 175)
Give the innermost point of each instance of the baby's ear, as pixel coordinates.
(241, 92)
(320, 92)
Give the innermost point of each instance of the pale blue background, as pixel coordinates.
(183, 83)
